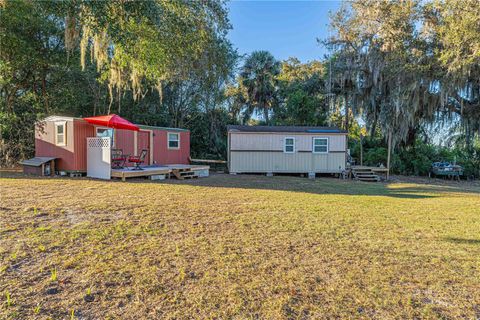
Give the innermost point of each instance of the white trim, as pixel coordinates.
(320, 138)
(58, 118)
(64, 125)
(285, 145)
(152, 160)
(135, 143)
(168, 140)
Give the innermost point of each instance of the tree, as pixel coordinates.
(81, 58)
(36, 76)
(389, 63)
(301, 94)
(259, 78)
(139, 45)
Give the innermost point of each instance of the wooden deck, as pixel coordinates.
(168, 170)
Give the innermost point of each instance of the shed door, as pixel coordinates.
(143, 142)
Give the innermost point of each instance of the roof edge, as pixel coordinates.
(142, 126)
(285, 129)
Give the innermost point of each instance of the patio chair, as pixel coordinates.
(118, 158)
(138, 160)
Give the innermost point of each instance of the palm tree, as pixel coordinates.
(259, 76)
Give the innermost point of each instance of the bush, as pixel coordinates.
(417, 158)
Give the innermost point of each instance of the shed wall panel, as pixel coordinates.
(125, 140)
(45, 144)
(275, 141)
(299, 162)
(163, 155)
(143, 142)
(82, 131)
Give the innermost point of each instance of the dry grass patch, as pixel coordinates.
(238, 247)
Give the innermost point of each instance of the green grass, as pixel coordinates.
(239, 247)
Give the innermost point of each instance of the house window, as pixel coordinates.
(105, 133)
(173, 140)
(60, 134)
(289, 145)
(320, 145)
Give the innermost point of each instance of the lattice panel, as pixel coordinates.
(99, 142)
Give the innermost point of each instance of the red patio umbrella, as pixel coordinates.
(112, 121)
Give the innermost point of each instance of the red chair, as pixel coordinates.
(138, 160)
(118, 158)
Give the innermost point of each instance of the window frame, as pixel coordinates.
(285, 145)
(178, 140)
(63, 134)
(327, 145)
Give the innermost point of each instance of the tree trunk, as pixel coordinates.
(44, 91)
(347, 113)
(388, 154)
(361, 150)
(265, 115)
(374, 127)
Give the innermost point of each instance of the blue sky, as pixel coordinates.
(285, 28)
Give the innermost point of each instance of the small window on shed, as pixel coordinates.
(173, 140)
(289, 145)
(60, 134)
(320, 145)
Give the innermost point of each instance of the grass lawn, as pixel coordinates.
(238, 247)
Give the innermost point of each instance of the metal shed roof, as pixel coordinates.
(37, 161)
(301, 129)
(141, 126)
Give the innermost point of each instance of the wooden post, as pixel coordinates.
(388, 154)
(361, 149)
(52, 167)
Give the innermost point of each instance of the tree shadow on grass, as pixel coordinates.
(462, 240)
(319, 186)
(322, 186)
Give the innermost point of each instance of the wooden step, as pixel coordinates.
(182, 174)
(373, 178)
(190, 177)
(368, 179)
(366, 175)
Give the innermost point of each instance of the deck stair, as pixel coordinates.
(184, 173)
(365, 174)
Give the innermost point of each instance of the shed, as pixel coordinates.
(42, 166)
(286, 149)
(65, 138)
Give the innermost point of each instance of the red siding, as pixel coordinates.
(163, 155)
(143, 142)
(124, 139)
(45, 144)
(73, 156)
(82, 130)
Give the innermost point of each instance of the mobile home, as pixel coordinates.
(65, 139)
(286, 149)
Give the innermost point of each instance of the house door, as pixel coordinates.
(143, 143)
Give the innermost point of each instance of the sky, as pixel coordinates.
(285, 28)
